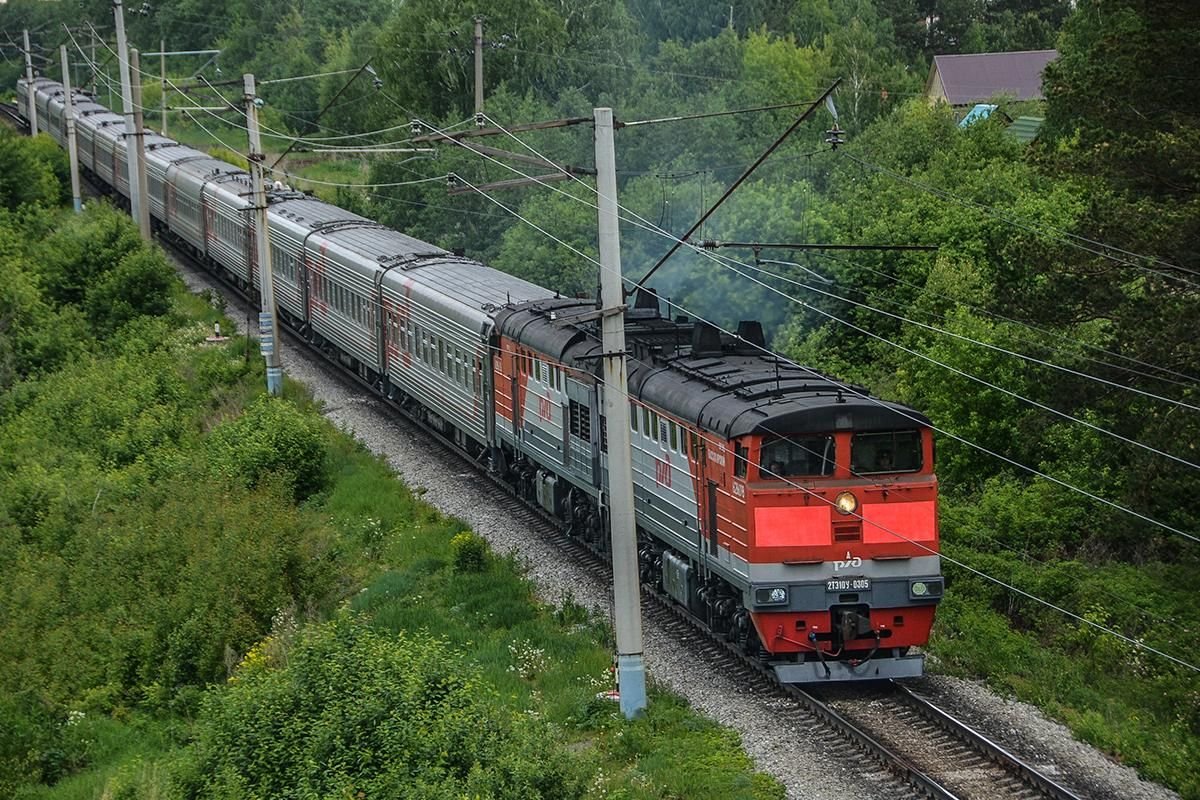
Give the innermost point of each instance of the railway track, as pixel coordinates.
(8, 115)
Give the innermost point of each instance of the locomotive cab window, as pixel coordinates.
(892, 451)
(741, 458)
(797, 455)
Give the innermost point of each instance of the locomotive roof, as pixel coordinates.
(728, 388)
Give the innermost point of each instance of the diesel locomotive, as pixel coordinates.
(789, 512)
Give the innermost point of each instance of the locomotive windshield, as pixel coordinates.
(801, 455)
(894, 451)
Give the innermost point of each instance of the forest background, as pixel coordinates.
(1069, 478)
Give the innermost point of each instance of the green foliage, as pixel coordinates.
(121, 551)
(1110, 693)
(98, 263)
(357, 711)
(140, 285)
(30, 171)
(274, 438)
(468, 552)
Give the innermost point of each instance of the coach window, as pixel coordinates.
(674, 436)
(646, 429)
(632, 417)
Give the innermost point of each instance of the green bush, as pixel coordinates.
(85, 249)
(360, 713)
(272, 437)
(30, 170)
(140, 284)
(469, 552)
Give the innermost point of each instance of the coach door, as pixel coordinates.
(711, 497)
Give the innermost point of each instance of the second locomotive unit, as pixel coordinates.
(790, 512)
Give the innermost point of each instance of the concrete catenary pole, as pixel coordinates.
(93, 62)
(479, 71)
(131, 138)
(139, 127)
(69, 116)
(31, 105)
(162, 82)
(631, 672)
(267, 319)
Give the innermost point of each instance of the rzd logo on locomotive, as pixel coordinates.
(662, 472)
(851, 561)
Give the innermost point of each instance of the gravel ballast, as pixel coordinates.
(784, 750)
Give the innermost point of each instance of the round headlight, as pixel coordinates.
(846, 503)
(779, 595)
(920, 588)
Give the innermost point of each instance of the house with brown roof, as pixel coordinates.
(964, 80)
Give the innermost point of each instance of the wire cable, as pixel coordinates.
(961, 337)
(1106, 251)
(1189, 380)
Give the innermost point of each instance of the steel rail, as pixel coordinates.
(985, 746)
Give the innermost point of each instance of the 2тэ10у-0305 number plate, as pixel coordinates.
(848, 585)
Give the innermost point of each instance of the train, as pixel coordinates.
(792, 514)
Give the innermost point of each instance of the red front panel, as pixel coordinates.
(803, 525)
(900, 523)
(792, 526)
(787, 632)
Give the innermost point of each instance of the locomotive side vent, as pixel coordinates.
(847, 531)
